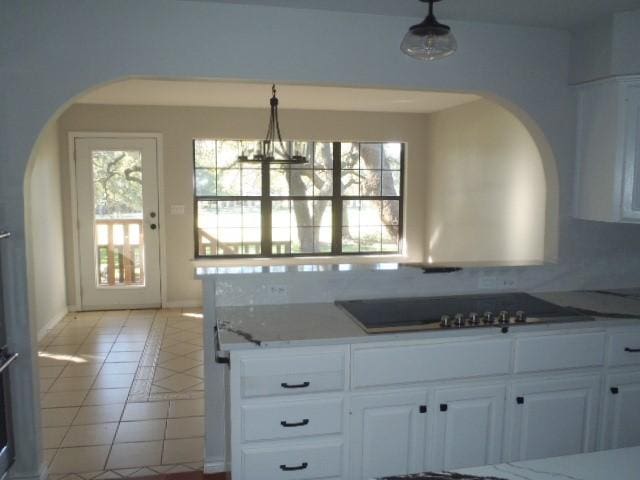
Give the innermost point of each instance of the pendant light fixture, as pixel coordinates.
(273, 141)
(429, 40)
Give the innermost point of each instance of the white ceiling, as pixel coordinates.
(565, 14)
(255, 95)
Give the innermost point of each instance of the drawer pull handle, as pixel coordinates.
(632, 350)
(304, 422)
(299, 385)
(291, 469)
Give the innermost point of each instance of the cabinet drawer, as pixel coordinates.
(289, 419)
(556, 352)
(624, 349)
(290, 374)
(295, 461)
(423, 363)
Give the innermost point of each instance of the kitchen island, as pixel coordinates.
(619, 464)
(312, 395)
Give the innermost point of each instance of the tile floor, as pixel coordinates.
(122, 394)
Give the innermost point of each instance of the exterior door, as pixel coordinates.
(117, 194)
(621, 427)
(468, 427)
(388, 434)
(552, 418)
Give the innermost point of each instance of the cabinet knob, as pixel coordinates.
(520, 400)
(444, 407)
(423, 409)
(615, 390)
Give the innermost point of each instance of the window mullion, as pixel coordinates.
(336, 202)
(265, 209)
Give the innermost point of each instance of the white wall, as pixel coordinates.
(45, 239)
(486, 188)
(52, 50)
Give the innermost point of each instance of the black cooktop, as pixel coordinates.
(398, 314)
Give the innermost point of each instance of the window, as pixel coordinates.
(346, 200)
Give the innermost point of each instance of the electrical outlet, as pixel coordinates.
(508, 281)
(278, 292)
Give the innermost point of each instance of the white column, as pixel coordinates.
(216, 380)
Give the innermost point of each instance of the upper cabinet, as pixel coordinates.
(608, 151)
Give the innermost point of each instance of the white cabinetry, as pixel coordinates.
(386, 408)
(608, 151)
(467, 427)
(622, 411)
(552, 417)
(388, 433)
(288, 413)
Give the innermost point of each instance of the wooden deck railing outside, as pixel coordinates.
(120, 255)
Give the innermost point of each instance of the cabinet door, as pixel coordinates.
(468, 424)
(631, 178)
(387, 433)
(548, 418)
(621, 418)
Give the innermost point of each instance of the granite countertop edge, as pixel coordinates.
(289, 325)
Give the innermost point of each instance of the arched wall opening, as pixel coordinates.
(481, 188)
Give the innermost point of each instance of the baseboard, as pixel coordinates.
(42, 474)
(218, 466)
(183, 304)
(52, 323)
(74, 308)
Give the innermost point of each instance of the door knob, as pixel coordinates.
(152, 214)
(153, 226)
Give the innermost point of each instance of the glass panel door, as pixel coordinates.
(117, 195)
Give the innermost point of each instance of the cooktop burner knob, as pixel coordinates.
(487, 317)
(473, 318)
(520, 316)
(503, 317)
(445, 321)
(458, 320)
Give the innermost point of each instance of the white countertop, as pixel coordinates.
(308, 324)
(621, 464)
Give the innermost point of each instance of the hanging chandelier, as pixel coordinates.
(273, 142)
(429, 40)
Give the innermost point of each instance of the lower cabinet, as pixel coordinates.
(621, 420)
(552, 417)
(426, 429)
(388, 433)
(304, 460)
(468, 424)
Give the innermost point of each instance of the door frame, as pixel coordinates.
(73, 198)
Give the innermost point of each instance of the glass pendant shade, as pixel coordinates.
(429, 40)
(429, 46)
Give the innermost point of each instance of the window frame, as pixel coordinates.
(336, 198)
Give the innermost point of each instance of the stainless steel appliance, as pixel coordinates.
(6, 358)
(460, 311)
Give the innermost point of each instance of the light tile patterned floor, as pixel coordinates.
(122, 394)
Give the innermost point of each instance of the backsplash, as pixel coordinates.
(622, 271)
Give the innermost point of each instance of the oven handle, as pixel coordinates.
(6, 359)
